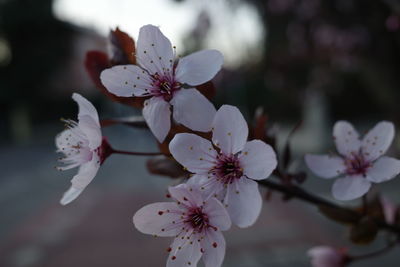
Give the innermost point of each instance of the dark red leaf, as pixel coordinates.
(122, 47)
(166, 166)
(207, 89)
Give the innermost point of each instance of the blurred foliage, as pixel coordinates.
(346, 49)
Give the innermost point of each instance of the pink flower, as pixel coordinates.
(82, 145)
(227, 168)
(324, 256)
(159, 76)
(360, 161)
(195, 223)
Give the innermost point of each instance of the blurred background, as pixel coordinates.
(311, 60)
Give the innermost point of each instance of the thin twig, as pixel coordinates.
(297, 192)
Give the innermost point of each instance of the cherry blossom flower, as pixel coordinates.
(228, 167)
(161, 76)
(82, 146)
(325, 256)
(361, 162)
(195, 223)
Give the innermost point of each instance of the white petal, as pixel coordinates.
(346, 138)
(377, 141)
(84, 176)
(384, 169)
(70, 195)
(154, 50)
(194, 152)
(157, 113)
(199, 67)
(184, 251)
(157, 219)
(209, 185)
(126, 80)
(193, 110)
(325, 166)
(258, 160)
(350, 187)
(230, 129)
(214, 248)
(92, 131)
(217, 214)
(86, 173)
(187, 194)
(244, 202)
(86, 108)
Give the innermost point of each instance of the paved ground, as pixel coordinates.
(96, 230)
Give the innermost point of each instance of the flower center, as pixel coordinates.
(227, 168)
(164, 86)
(356, 164)
(197, 219)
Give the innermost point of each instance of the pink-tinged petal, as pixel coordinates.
(244, 202)
(377, 141)
(389, 210)
(199, 67)
(213, 245)
(157, 113)
(325, 166)
(154, 50)
(185, 251)
(217, 214)
(384, 169)
(92, 131)
(230, 130)
(85, 175)
(195, 153)
(324, 256)
(157, 219)
(187, 194)
(350, 187)
(126, 80)
(193, 110)
(85, 108)
(258, 160)
(209, 186)
(346, 138)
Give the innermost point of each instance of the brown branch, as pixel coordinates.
(293, 191)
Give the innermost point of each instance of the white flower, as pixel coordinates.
(195, 223)
(161, 78)
(81, 143)
(360, 161)
(228, 167)
(324, 256)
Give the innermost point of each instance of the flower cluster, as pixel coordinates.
(223, 167)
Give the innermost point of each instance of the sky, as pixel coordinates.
(235, 33)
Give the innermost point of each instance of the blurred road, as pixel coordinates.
(96, 229)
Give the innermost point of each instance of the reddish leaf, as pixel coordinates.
(364, 232)
(259, 130)
(207, 89)
(340, 215)
(166, 166)
(122, 47)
